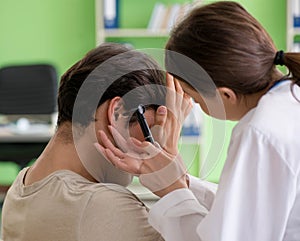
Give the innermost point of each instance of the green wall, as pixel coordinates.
(52, 31)
(272, 15)
(61, 31)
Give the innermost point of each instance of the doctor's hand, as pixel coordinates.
(157, 170)
(169, 119)
(160, 168)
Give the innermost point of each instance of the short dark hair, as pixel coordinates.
(136, 70)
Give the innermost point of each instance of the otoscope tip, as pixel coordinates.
(141, 109)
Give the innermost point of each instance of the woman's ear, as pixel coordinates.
(114, 110)
(228, 95)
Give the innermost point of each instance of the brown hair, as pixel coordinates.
(292, 62)
(137, 72)
(231, 46)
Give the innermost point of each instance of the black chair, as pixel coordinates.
(26, 91)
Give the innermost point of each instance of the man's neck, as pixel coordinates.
(60, 154)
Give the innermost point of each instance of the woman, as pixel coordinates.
(258, 196)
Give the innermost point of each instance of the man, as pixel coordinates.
(71, 192)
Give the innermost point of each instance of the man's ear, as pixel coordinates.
(228, 95)
(114, 110)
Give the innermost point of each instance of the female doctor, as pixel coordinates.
(258, 197)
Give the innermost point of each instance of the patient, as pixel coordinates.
(71, 192)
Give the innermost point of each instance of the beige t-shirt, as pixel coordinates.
(67, 207)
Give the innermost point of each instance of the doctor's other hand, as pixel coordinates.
(157, 170)
(169, 119)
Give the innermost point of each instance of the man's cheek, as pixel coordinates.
(136, 132)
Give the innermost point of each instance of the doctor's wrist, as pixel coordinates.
(178, 184)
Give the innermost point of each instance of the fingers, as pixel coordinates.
(161, 115)
(129, 162)
(125, 145)
(116, 157)
(188, 105)
(149, 150)
(119, 139)
(178, 87)
(186, 101)
(119, 163)
(173, 84)
(170, 81)
(179, 106)
(108, 155)
(171, 93)
(108, 145)
(100, 149)
(158, 128)
(176, 98)
(183, 100)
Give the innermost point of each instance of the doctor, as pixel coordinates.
(258, 197)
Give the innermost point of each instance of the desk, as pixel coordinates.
(22, 147)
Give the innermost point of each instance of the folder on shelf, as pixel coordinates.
(165, 17)
(111, 13)
(296, 14)
(157, 16)
(174, 12)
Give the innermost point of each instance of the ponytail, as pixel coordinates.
(292, 62)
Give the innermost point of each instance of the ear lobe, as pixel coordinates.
(113, 110)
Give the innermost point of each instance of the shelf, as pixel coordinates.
(135, 32)
(102, 34)
(295, 31)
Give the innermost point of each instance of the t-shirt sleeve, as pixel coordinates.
(116, 216)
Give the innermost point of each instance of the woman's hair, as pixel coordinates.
(92, 79)
(231, 46)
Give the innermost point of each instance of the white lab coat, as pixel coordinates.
(258, 197)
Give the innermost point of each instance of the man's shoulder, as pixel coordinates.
(97, 191)
(114, 192)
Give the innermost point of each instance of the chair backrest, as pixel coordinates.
(28, 89)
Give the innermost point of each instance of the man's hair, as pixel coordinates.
(131, 68)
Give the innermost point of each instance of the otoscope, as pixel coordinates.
(143, 123)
